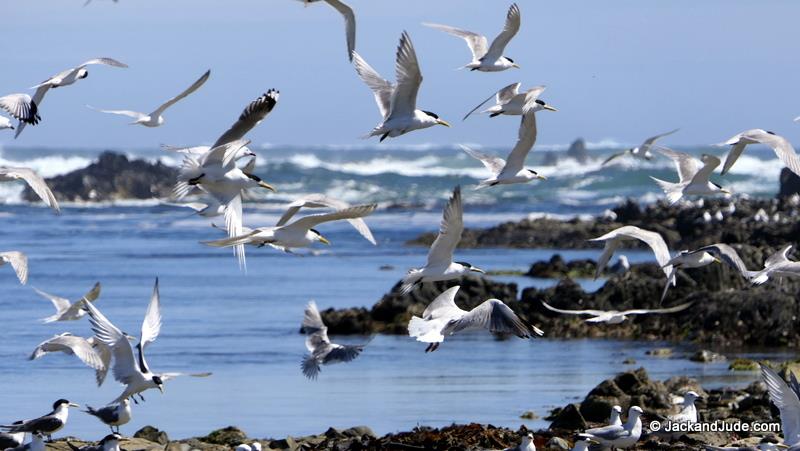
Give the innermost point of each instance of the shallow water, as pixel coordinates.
(244, 329)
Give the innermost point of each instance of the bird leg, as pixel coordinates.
(385, 135)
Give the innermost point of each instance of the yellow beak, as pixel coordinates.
(442, 122)
(478, 270)
(515, 65)
(725, 191)
(541, 177)
(267, 186)
(324, 240)
(548, 107)
(72, 404)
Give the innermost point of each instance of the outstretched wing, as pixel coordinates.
(444, 303)
(409, 78)
(22, 107)
(710, 162)
(477, 44)
(652, 239)
(106, 332)
(194, 87)
(255, 112)
(151, 326)
(18, 262)
(310, 221)
(450, 229)
(686, 164)
(526, 138)
(492, 163)
(323, 201)
(36, 182)
(349, 24)
(786, 400)
(675, 309)
(381, 88)
(728, 255)
(132, 114)
(510, 29)
(572, 312)
(105, 61)
(497, 317)
(503, 96)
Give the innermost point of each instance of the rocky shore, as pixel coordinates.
(656, 398)
(112, 177)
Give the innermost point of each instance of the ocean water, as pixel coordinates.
(244, 327)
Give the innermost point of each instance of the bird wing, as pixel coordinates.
(526, 138)
(733, 155)
(81, 348)
(503, 96)
(495, 316)
(404, 98)
(323, 201)
(710, 162)
(510, 29)
(573, 312)
(349, 24)
(38, 97)
(36, 182)
(151, 326)
(477, 43)
(167, 376)
(343, 353)
(651, 140)
(318, 341)
(19, 262)
(444, 303)
(104, 61)
(253, 114)
(194, 87)
(450, 229)
(59, 303)
(93, 294)
(492, 163)
(652, 239)
(195, 150)
(21, 106)
(223, 155)
(381, 88)
(728, 255)
(686, 164)
(310, 221)
(677, 308)
(107, 333)
(613, 157)
(778, 257)
(312, 320)
(104, 352)
(783, 149)
(132, 114)
(786, 400)
(608, 433)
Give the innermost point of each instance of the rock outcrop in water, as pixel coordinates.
(759, 222)
(112, 177)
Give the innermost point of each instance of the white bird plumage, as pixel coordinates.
(34, 181)
(71, 345)
(321, 350)
(18, 262)
(349, 22)
(642, 151)
(780, 145)
(693, 178)
(616, 316)
(66, 310)
(510, 101)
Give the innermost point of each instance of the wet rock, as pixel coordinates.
(230, 436)
(569, 418)
(529, 415)
(789, 183)
(152, 434)
(112, 177)
(287, 443)
(557, 268)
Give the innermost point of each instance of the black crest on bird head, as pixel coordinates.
(157, 380)
(59, 402)
(465, 264)
(433, 115)
(771, 133)
(252, 176)
(540, 102)
(509, 59)
(315, 231)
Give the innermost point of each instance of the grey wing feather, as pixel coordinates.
(786, 400)
(503, 96)
(494, 164)
(343, 353)
(22, 107)
(37, 184)
(525, 141)
(510, 29)
(253, 114)
(450, 231)
(381, 88)
(194, 87)
(495, 316)
(728, 255)
(349, 24)
(409, 78)
(477, 43)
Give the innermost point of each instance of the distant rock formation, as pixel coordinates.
(112, 177)
(577, 150)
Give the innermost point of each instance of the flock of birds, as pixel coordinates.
(216, 174)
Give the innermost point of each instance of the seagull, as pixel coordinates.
(785, 398)
(36, 444)
(216, 173)
(65, 78)
(34, 180)
(109, 443)
(615, 316)
(323, 201)
(512, 170)
(21, 107)
(487, 58)
(782, 147)
(693, 178)
(397, 102)
(440, 264)
(443, 317)
(705, 255)
(112, 415)
(12, 440)
(300, 233)
(687, 413)
(623, 436)
(777, 265)
(66, 311)
(349, 22)
(18, 262)
(134, 373)
(582, 445)
(321, 350)
(69, 344)
(46, 424)
(511, 102)
(525, 445)
(155, 119)
(614, 419)
(642, 151)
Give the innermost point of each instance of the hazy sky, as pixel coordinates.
(618, 70)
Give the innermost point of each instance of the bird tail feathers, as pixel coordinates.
(190, 169)
(673, 191)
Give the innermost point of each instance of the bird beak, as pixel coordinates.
(548, 107)
(477, 270)
(717, 261)
(541, 177)
(725, 191)
(515, 65)
(72, 404)
(324, 240)
(442, 122)
(267, 186)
